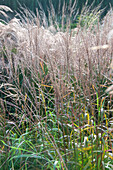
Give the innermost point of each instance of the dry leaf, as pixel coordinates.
(109, 89)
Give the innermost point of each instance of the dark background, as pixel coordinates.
(33, 4)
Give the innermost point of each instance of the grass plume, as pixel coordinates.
(55, 112)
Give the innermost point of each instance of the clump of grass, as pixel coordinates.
(54, 112)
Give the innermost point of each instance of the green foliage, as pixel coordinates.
(48, 140)
(88, 20)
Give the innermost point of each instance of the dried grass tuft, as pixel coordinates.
(4, 9)
(55, 79)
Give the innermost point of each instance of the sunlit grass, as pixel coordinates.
(56, 94)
